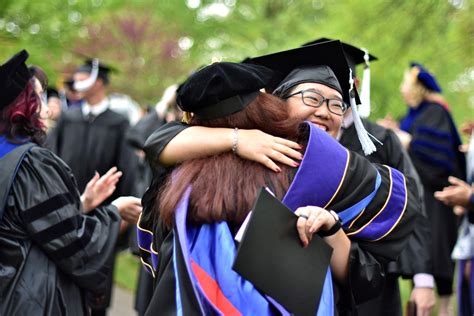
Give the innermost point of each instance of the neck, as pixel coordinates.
(96, 98)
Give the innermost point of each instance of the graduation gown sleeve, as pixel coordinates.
(434, 147)
(160, 138)
(416, 257)
(50, 209)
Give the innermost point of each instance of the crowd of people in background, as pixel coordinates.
(86, 173)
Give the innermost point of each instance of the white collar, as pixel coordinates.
(97, 109)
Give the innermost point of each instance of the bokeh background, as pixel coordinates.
(155, 43)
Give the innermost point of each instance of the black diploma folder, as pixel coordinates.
(271, 256)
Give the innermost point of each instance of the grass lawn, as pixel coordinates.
(126, 270)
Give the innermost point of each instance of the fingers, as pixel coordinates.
(93, 181)
(287, 143)
(281, 158)
(455, 181)
(267, 162)
(314, 223)
(287, 151)
(310, 220)
(301, 228)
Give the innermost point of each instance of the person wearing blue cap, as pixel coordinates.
(431, 138)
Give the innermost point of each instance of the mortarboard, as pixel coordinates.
(221, 89)
(426, 78)
(323, 63)
(97, 69)
(14, 76)
(354, 55)
(270, 255)
(52, 92)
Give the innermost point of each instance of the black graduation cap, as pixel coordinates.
(104, 69)
(271, 256)
(69, 83)
(354, 55)
(14, 76)
(52, 92)
(221, 89)
(322, 63)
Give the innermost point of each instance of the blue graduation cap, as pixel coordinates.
(426, 78)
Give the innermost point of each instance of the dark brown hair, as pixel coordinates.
(224, 187)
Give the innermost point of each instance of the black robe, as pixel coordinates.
(95, 145)
(366, 276)
(416, 257)
(435, 155)
(51, 252)
(136, 137)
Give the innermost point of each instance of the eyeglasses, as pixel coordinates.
(315, 100)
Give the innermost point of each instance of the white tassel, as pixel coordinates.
(367, 145)
(470, 160)
(364, 107)
(86, 84)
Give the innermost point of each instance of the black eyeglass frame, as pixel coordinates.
(324, 99)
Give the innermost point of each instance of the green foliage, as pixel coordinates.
(144, 38)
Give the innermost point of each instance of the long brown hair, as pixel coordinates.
(224, 187)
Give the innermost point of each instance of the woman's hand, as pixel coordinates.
(266, 149)
(98, 189)
(311, 220)
(129, 208)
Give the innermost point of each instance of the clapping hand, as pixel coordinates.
(98, 189)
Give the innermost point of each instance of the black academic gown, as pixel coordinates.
(98, 144)
(366, 273)
(435, 155)
(416, 257)
(136, 137)
(51, 252)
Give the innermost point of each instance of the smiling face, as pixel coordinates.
(320, 116)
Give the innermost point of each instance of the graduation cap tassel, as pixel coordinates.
(364, 108)
(470, 160)
(86, 84)
(367, 145)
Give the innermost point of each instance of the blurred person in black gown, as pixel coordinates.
(92, 139)
(166, 110)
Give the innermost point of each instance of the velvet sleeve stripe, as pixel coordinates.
(77, 245)
(391, 212)
(144, 237)
(324, 169)
(428, 131)
(148, 267)
(57, 230)
(443, 149)
(145, 243)
(46, 207)
(443, 163)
